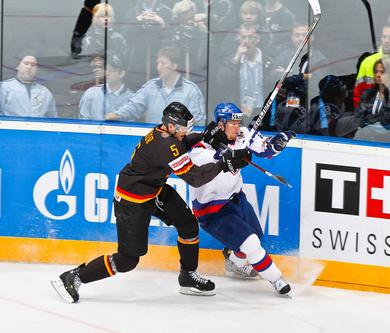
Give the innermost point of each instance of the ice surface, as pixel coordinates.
(148, 301)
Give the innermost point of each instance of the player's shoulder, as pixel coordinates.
(244, 131)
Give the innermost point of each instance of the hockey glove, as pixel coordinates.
(214, 136)
(279, 141)
(232, 160)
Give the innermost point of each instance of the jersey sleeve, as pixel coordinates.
(194, 175)
(258, 144)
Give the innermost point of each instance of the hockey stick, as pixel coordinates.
(278, 178)
(315, 6)
(371, 22)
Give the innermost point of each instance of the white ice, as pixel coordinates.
(148, 301)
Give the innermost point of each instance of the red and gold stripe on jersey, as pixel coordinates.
(132, 197)
(181, 165)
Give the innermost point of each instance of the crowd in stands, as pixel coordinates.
(160, 52)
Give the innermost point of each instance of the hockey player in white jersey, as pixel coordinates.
(222, 208)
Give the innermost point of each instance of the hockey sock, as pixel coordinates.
(97, 269)
(238, 258)
(259, 259)
(189, 253)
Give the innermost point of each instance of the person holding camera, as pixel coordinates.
(144, 30)
(185, 34)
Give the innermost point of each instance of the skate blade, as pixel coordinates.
(234, 275)
(58, 286)
(196, 292)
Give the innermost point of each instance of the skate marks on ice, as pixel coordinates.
(299, 272)
(149, 301)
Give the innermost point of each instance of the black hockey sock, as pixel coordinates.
(97, 269)
(189, 253)
(83, 23)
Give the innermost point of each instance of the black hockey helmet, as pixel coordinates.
(177, 113)
(296, 84)
(331, 83)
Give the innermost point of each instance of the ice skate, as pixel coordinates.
(67, 285)
(232, 270)
(281, 286)
(191, 283)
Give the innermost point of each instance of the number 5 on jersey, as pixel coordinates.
(174, 150)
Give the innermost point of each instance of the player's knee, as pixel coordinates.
(252, 247)
(189, 229)
(124, 263)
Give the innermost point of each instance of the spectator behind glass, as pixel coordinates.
(94, 41)
(283, 58)
(185, 35)
(98, 101)
(291, 113)
(23, 96)
(145, 28)
(374, 109)
(279, 22)
(240, 78)
(327, 113)
(250, 12)
(156, 94)
(365, 77)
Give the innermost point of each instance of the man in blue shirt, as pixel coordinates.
(23, 96)
(157, 93)
(100, 100)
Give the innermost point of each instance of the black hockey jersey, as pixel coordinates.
(156, 156)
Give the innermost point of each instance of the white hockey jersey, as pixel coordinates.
(211, 197)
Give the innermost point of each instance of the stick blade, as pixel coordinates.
(282, 180)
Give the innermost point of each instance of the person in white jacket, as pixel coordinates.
(23, 96)
(221, 206)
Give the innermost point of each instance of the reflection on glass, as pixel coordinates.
(23, 96)
(150, 100)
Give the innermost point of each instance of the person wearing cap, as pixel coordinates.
(23, 96)
(157, 93)
(291, 113)
(328, 115)
(102, 99)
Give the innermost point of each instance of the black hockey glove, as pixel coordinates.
(232, 160)
(214, 136)
(279, 141)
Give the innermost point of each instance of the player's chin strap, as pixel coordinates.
(315, 6)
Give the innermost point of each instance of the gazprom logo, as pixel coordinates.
(60, 181)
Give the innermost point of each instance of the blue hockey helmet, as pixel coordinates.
(227, 111)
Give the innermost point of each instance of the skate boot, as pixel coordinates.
(68, 284)
(75, 44)
(232, 270)
(191, 283)
(281, 286)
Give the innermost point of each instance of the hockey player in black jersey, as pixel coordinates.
(142, 192)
